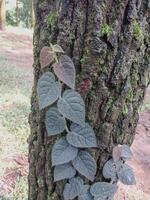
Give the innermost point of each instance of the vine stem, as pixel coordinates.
(56, 59)
(67, 129)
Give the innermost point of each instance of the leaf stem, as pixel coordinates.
(55, 56)
(67, 129)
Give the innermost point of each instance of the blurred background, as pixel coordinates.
(16, 77)
(19, 13)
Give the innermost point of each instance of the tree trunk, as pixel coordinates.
(2, 14)
(17, 12)
(32, 13)
(108, 41)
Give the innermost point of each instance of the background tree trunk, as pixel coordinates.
(108, 41)
(32, 13)
(17, 12)
(2, 14)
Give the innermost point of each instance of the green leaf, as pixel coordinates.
(57, 48)
(73, 188)
(103, 190)
(85, 164)
(65, 71)
(72, 106)
(109, 170)
(63, 152)
(64, 171)
(86, 196)
(126, 175)
(55, 123)
(117, 153)
(82, 137)
(122, 152)
(85, 193)
(48, 90)
(126, 153)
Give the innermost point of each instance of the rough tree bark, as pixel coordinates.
(17, 12)
(32, 13)
(108, 41)
(2, 14)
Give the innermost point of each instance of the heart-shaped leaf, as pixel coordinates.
(63, 152)
(85, 164)
(86, 196)
(126, 153)
(103, 190)
(57, 48)
(46, 56)
(64, 171)
(72, 106)
(126, 175)
(85, 193)
(109, 170)
(65, 71)
(73, 188)
(82, 137)
(122, 151)
(48, 90)
(55, 123)
(117, 153)
(84, 189)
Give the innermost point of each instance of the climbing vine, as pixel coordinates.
(65, 113)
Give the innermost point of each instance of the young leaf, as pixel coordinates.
(65, 71)
(64, 171)
(46, 56)
(57, 48)
(126, 175)
(116, 154)
(103, 190)
(126, 153)
(47, 89)
(109, 170)
(55, 123)
(63, 152)
(85, 164)
(72, 106)
(122, 151)
(82, 137)
(73, 188)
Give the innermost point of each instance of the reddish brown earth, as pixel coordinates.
(141, 152)
(18, 48)
(7, 183)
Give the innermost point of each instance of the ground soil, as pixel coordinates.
(141, 152)
(17, 47)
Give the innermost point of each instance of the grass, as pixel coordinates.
(15, 89)
(145, 106)
(130, 193)
(20, 190)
